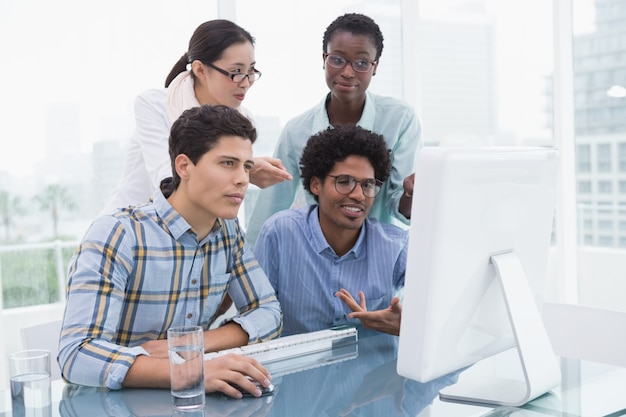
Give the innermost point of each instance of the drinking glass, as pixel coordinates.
(186, 353)
(30, 382)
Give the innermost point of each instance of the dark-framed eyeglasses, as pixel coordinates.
(345, 184)
(238, 76)
(359, 65)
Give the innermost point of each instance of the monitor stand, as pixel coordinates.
(538, 361)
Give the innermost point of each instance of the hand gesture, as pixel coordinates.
(268, 171)
(386, 321)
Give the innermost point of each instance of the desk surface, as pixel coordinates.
(365, 385)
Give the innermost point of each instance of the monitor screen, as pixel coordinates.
(472, 206)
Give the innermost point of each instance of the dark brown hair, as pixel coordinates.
(199, 129)
(208, 43)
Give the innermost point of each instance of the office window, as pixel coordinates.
(462, 51)
(604, 157)
(583, 158)
(604, 240)
(63, 152)
(605, 207)
(605, 224)
(622, 154)
(585, 208)
(605, 187)
(584, 187)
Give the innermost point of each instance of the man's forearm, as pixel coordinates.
(225, 337)
(148, 372)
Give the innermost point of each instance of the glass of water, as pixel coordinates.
(30, 382)
(186, 353)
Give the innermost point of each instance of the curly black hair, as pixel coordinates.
(324, 149)
(357, 24)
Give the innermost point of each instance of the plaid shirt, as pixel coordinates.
(142, 270)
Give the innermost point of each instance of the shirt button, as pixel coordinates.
(193, 281)
(189, 315)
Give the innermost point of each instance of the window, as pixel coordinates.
(605, 224)
(63, 152)
(605, 207)
(583, 157)
(605, 187)
(604, 158)
(584, 187)
(622, 157)
(458, 70)
(604, 240)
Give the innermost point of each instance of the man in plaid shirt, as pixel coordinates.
(169, 262)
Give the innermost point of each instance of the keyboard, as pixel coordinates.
(289, 354)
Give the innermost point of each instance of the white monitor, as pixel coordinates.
(480, 233)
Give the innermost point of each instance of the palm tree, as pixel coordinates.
(10, 207)
(52, 199)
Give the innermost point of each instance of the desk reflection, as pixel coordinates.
(366, 385)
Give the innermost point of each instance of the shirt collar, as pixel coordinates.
(322, 122)
(319, 243)
(176, 224)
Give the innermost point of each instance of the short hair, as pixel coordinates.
(324, 149)
(208, 43)
(357, 24)
(199, 129)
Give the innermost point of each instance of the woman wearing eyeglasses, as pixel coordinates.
(218, 68)
(351, 50)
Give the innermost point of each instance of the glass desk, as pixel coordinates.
(364, 384)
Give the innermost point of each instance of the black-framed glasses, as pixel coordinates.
(359, 65)
(238, 76)
(345, 184)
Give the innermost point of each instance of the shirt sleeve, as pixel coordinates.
(403, 164)
(96, 280)
(260, 314)
(152, 133)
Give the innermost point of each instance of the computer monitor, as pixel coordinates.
(480, 232)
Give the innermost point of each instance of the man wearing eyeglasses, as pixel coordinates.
(317, 256)
(351, 49)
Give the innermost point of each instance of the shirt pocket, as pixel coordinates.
(379, 303)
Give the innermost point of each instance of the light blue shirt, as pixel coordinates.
(142, 270)
(306, 273)
(393, 119)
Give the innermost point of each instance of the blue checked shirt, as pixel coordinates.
(142, 270)
(306, 273)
